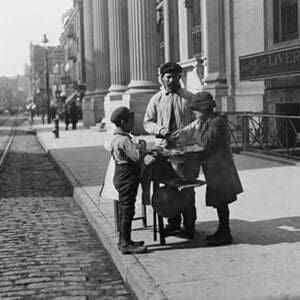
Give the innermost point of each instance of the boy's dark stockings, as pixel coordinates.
(223, 214)
(126, 245)
(125, 233)
(223, 235)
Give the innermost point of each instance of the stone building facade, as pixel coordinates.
(224, 46)
(43, 62)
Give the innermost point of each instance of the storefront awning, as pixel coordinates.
(270, 64)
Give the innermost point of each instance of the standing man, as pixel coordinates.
(167, 111)
(73, 112)
(66, 115)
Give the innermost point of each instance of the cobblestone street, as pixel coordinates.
(47, 248)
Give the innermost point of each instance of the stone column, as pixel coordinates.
(88, 103)
(101, 55)
(143, 58)
(213, 41)
(185, 31)
(119, 55)
(170, 10)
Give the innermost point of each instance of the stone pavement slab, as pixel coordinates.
(263, 263)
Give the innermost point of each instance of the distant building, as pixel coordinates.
(37, 65)
(71, 40)
(12, 93)
(24, 82)
(38, 54)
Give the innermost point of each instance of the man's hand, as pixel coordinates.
(164, 132)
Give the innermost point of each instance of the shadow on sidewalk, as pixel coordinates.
(266, 232)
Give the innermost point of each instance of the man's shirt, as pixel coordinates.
(168, 110)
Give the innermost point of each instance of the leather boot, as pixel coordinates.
(127, 246)
(223, 235)
(213, 236)
(137, 243)
(220, 238)
(134, 243)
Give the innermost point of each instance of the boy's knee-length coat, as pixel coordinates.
(223, 182)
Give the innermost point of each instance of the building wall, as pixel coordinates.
(248, 28)
(229, 29)
(254, 33)
(283, 91)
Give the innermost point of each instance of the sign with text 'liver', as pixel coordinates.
(265, 65)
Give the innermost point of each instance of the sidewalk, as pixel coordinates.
(263, 262)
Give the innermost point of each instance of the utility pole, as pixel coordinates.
(45, 41)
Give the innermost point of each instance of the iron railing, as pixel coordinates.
(270, 134)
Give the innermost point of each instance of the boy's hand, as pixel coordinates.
(149, 159)
(107, 146)
(174, 136)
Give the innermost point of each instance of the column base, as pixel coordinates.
(98, 98)
(111, 102)
(116, 89)
(217, 86)
(88, 110)
(141, 86)
(138, 102)
(228, 103)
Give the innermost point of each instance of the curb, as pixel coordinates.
(132, 271)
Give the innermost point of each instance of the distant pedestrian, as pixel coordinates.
(53, 109)
(66, 116)
(127, 157)
(74, 114)
(43, 112)
(223, 182)
(32, 109)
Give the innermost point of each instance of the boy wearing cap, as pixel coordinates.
(223, 183)
(166, 112)
(127, 157)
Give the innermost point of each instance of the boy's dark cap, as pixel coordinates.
(170, 67)
(120, 114)
(202, 99)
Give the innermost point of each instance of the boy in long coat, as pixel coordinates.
(223, 183)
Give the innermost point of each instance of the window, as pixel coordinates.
(196, 28)
(285, 20)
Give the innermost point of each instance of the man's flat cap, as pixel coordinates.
(120, 114)
(202, 99)
(170, 67)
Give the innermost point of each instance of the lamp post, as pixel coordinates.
(45, 41)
